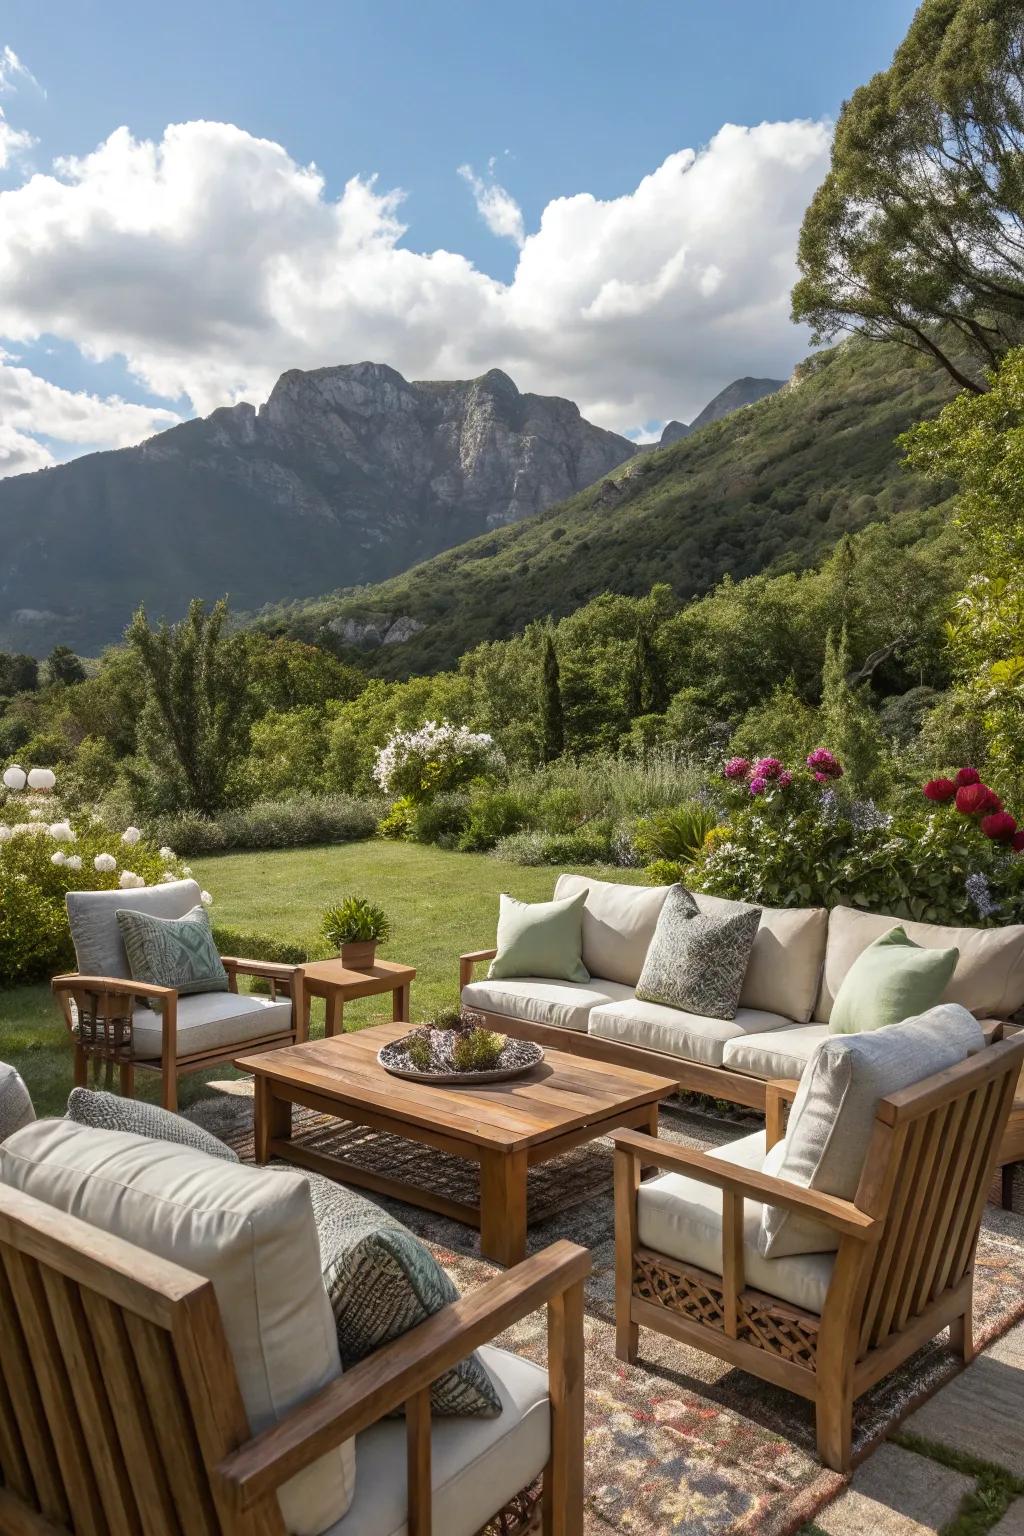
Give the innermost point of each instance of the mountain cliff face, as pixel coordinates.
(740, 392)
(345, 475)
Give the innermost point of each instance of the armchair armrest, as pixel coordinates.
(841, 1215)
(270, 970)
(468, 961)
(392, 1375)
(779, 1095)
(117, 986)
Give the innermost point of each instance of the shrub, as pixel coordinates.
(591, 844)
(274, 824)
(258, 946)
(441, 820)
(398, 821)
(493, 814)
(676, 834)
(521, 848)
(436, 758)
(665, 872)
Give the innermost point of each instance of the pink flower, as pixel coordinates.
(1000, 826)
(939, 790)
(758, 786)
(993, 802)
(967, 776)
(767, 768)
(824, 764)
(785, 779)
(972, 799)
(737, 768)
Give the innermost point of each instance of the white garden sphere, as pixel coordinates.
(41, 778)
(130, 881)
(105, 863)
(61, 832)
(130, 835)
(15, 777)
(58, 857)
(73, 861)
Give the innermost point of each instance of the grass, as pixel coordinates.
(439, 903)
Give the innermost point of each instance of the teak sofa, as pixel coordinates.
(799, 958)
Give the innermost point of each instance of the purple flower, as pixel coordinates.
(785, 779)
(767, 768)
(737, 768)
(758, 786)
(978, 890)
(824, 765)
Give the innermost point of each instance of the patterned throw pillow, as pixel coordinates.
(174, 952)
(110, 1112)
(382, 1281)
(697, 960)
(15, 1102)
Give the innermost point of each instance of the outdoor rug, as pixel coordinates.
(679, 1444)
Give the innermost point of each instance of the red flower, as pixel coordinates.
(972, 799)
(939, 790)
(1000, 826)
(1017, 842)
(967, 776)
(993, 803)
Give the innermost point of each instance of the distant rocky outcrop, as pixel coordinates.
(739, 392)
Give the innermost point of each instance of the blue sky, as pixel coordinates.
(543, 101)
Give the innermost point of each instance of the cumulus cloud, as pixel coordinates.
(211, 261)
(30, 407)
(497, 207)
(13, 141)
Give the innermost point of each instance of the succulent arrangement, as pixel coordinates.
(452, 1042)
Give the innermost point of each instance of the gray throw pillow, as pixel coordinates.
(15, 1102)
(110, 1112)
(174, 952)
(697, 960)
(382, 1281)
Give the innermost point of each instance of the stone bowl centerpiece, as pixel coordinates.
(455, 1048)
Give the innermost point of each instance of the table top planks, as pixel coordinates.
(562, 1094)
(382, 976)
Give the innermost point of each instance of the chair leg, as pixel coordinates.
(81, 1068)
(126, 1079)
(834, 1423)
(961, 1335)
(169, 1086)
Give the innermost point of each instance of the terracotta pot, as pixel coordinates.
(359, 956)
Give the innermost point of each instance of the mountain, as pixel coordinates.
(771, 487)
(344, 476)
(739, 393)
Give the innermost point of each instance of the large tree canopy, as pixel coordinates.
(917, 232)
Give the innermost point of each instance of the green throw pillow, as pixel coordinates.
(540, 938)
(174, 952)
(892, 980)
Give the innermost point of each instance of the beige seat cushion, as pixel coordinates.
(781, 1053)
(248, 1230)
(618, 924)
(99, 947)
(785, 964)
(682, 1217)
(690, 1036)
(562, 1004)
(989, 975)
(833, 1114)
(211, 1021)
(476, 1465)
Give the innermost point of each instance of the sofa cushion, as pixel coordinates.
(690, 1036)
(785, 963)
(211, 1021)
(113, 1112)
(682, 1217)
(618, 924)
(540, 938)
(562, 1004)
(697, 960)
(176, 952)
(833, 1114)
(97, 938)
(250, 1231)
(893, 979)
(476, 1465)
(781, 1053)
(989, 975)
(16, 1107)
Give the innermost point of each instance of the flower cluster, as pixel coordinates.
(435, 758)
(824, 765)
(974, 799)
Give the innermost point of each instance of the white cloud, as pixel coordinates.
(211, 262)
(31, 407)
(12, 141)
(13, 71)
(497, 207)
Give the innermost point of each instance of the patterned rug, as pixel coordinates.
(679, 1444)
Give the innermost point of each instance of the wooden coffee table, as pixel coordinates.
(337, 985)
(504, 1127)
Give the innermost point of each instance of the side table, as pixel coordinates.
(337, 985)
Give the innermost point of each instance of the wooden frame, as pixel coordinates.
(904, 1268)
(97, 1012)
(120, 1411)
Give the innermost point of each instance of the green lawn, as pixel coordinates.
(439, 903)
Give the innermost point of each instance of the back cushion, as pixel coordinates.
(833, 1114)
(786, 960)
(250, 1231)
(97, 938)
(618, 924)
(989, 975)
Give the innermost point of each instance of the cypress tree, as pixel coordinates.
(552, 718)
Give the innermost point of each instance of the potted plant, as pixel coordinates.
(355, 927)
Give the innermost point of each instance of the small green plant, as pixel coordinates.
(664, 872)
(477, 1050)
(676, 833)
(355, 921)
(419, 1051)
(446, 1018)
(398, 820)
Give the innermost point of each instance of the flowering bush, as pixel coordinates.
(434, 759)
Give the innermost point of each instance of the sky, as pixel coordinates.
(603, 199)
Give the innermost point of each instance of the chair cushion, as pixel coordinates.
(682, 1217)
(618, 924)
(690, 1036)
(174, 952)
(782, 1053)
(893, 979)
(97, 939)
(211, 1021)
(540, 938)
(697, 960)
(833, 1114)
(16, 1107)
(785, 963)
(989, 975)
(250, 1231)
(113, 1112)
(476, 1465)
(562, 1004)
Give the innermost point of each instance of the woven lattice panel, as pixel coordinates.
(690, 1292)
(763, 1322)
(781, 1331)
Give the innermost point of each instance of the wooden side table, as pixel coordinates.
(337, 985)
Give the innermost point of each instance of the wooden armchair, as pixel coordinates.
(120, 1410)
(904, 1269)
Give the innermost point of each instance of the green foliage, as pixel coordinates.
(304, 820)
(676, 834)
(494, 813)
(589, 844)
(552, 717)
(783, 726)
(441, 820)
(398, 821)
(258, 946)
(64, 667)
(354, 920)
(848, 724)
(477, 1050)
(665, 872)
(18, 673)
(417, 1048)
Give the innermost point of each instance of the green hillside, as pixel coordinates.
(770, 487)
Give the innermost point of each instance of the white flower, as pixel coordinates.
(15, 777)
(41, 778)
(130, 881)
(73, 861)
(105, 863)
(206, 898)
(130, 835)
(186, 869)
(62, 832)
(5, 833)
(36, 813)
(58, 857)
(168, 854)
(167, 876)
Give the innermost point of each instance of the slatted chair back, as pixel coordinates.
(118, 1394)
(929, 1168)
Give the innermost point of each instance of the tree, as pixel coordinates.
(552, 719)
(647, 692)
(848, 724)
(63, 666)
(18, 673)
(195, 724)
(917, 233)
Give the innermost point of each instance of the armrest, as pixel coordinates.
(779, 1094)
(272, 970)
(468, 961)
(993, 1030)
(390, 1376)
(841, 1215)
(119, 986)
